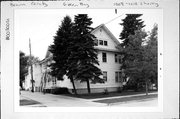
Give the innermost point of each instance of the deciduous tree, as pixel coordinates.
(141, 59)
(23, 66)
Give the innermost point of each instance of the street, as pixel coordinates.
(38, 99)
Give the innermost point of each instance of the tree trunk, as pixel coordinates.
(146, 87)
(74, 86)
(88, 87)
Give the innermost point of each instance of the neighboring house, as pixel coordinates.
(109, 62)
(37, 74)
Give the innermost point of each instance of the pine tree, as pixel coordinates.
(60, 49)
(83, 60)
(130, 24)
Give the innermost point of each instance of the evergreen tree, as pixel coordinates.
(60, 49)
(141, 59)
(130, 24)
(83, 60)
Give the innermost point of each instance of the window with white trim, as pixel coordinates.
(118, 76)
(105, 75)
(104, 58)
(96, 42)
(105, 43)
(100, 42)
(117, 58)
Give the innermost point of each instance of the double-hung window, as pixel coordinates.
(116, 57)
(118, 76)
(105, 43)
(96, 42)
(104, 57)
(105, 75)
(100, 42)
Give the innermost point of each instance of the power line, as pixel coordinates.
(113, 19)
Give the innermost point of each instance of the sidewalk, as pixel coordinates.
(51, 100)
(116, 97)
(38, 99)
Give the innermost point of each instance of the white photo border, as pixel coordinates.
(10, 65)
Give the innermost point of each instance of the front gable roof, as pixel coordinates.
(102, 33)
(49, 55)
(107, 31)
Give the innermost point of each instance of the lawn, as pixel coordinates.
(101, 95)
(28, 102)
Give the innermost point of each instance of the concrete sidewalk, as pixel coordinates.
(140, 103)
(125, 96)
(51, 100)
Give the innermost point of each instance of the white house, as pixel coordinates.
(37, 75)
(109, 60)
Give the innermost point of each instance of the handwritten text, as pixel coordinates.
(7, 29)
(136, 4)
(76, 4)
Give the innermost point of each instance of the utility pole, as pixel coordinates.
(32, 81)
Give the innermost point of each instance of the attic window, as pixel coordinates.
(100, 30)
(100, 42)
(96, 42)
(105, 43)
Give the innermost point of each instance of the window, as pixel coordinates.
(116, 58)
(96, 42)
(104, 57)
(100, 42)
(105, 75)
(120, 59)
(118, 76)
(105, 43)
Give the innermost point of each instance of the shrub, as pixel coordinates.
(105, 91)
(62, 90)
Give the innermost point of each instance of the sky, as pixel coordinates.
(40, 25)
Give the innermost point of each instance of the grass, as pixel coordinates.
(28, 102)
(126, 99)
(101, 95)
